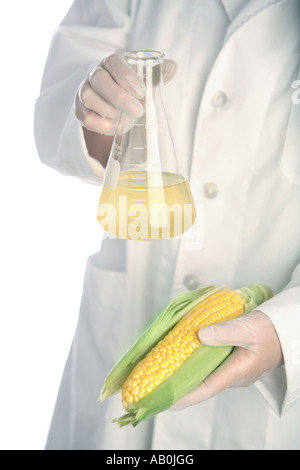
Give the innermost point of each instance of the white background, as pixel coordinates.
(48, 229)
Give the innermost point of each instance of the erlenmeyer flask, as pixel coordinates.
(145, 193)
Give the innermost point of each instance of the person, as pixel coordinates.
(236, 119)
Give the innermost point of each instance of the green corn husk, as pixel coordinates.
(195, 369)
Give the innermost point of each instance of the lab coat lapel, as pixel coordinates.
(252, 8)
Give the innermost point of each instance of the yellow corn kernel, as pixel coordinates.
(179, 344)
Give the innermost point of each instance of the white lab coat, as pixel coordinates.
(237, 123)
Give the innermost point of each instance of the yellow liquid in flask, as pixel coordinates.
(147, 206)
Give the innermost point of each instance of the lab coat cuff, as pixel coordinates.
(273, 388)
(281, 388)
(89, 169)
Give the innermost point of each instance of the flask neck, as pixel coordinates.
(148, 65)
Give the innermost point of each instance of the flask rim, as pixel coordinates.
(149, 57)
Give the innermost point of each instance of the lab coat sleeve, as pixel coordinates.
(281, 388)
(90, 30)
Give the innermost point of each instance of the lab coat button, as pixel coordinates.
(219, 99)
(191, 282)
(210, 190)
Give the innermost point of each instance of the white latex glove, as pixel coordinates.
(257, 353)
(110, 88)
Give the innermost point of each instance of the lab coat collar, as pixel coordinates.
(233, 7)
(247, 10)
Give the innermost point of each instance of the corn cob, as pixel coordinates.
(168, 360)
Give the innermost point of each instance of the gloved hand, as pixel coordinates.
(111, 87)
(257, 352)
